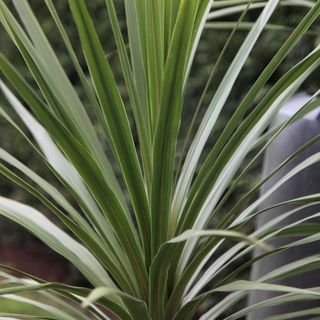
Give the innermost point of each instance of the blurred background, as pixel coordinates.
(19, 248)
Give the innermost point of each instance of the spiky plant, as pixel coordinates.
(145, 246)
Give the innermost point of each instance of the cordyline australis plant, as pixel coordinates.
(146, 252)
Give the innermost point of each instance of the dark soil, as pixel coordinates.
(37, 259)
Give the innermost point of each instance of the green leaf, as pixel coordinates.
(243, 286)
(55, 84)
(161, 264)
(248, 25)
(216, 106)
(168, 124)
(136, 307)
(260, 119)
(155, 56)
(248, 100)
(116, 119)
(87, 168)
(65, 170)
(279, 300)
(74, 293)
(138, 104)
(239, 8)
(54, 311)
(57, 239)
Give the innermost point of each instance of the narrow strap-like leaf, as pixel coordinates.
(161, 264)
(107, 200)
(115, 117)
(239, 8)
(289, 44)
(57, 87)
(57, 239)
(138, 105)
(61, 165)
(217, 104)
(168, 124)
(137, 308)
